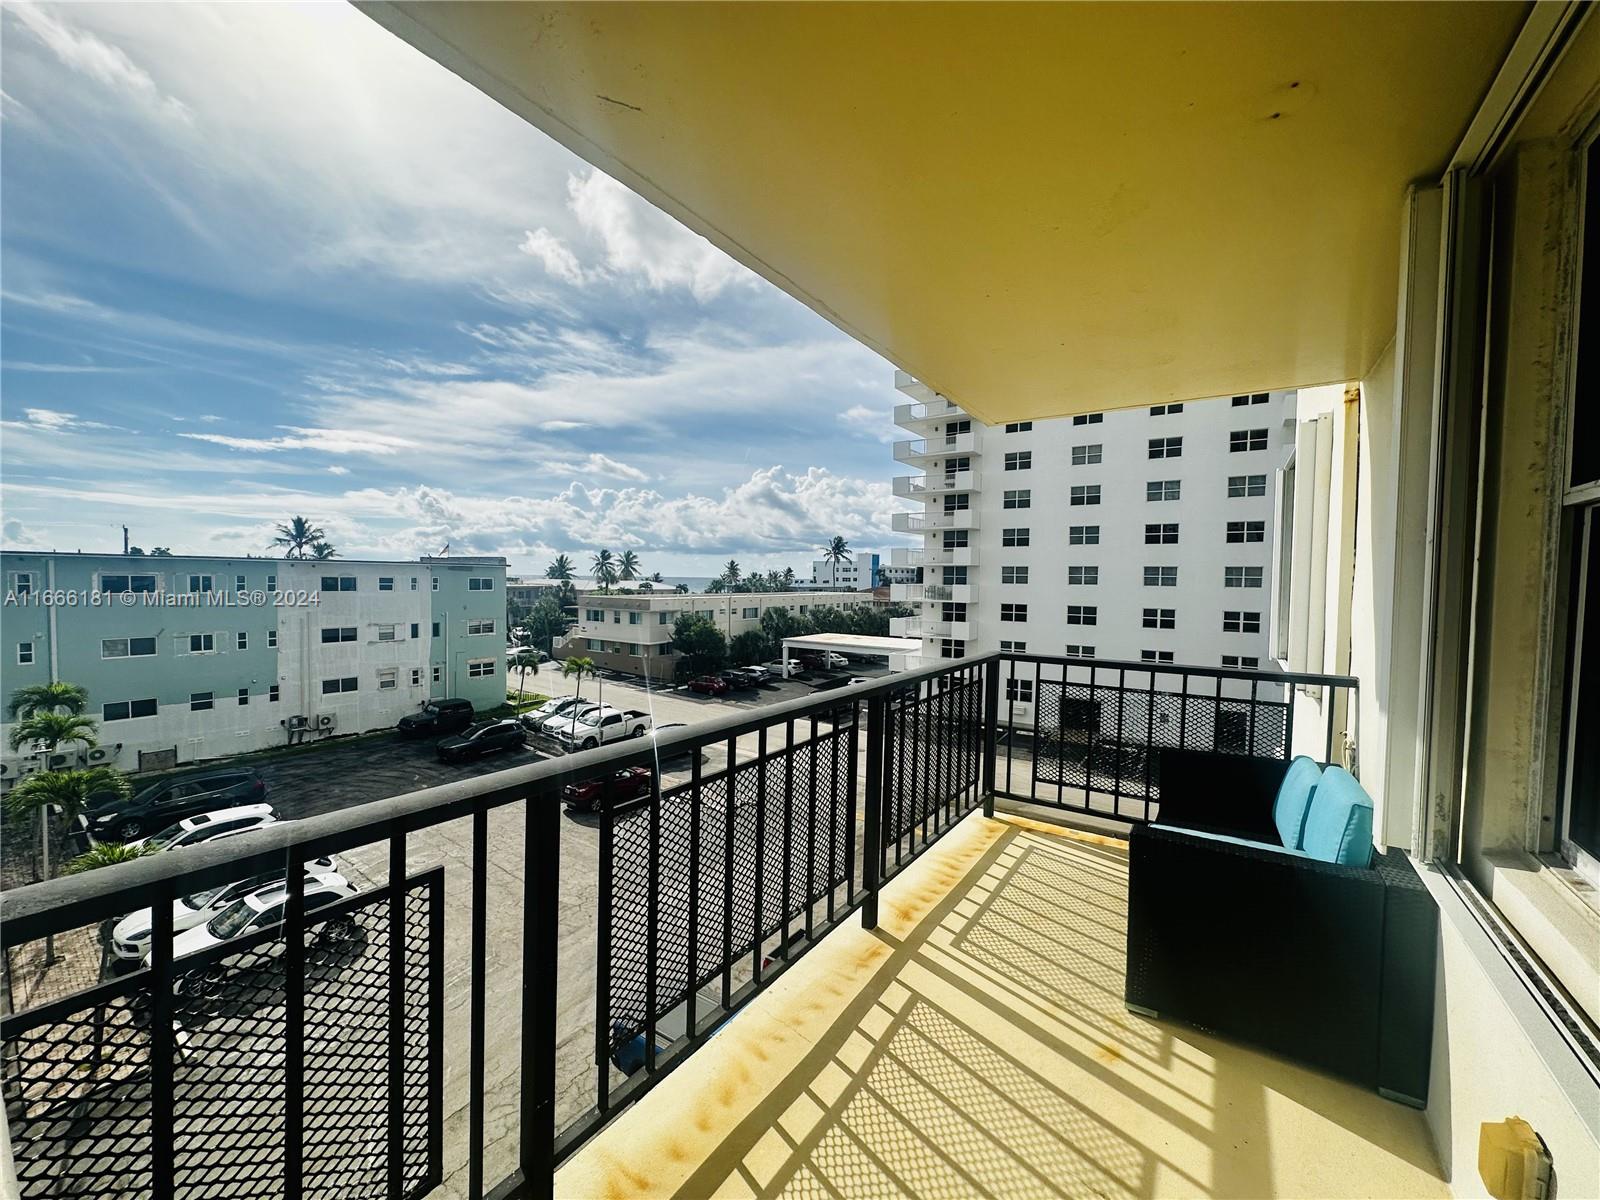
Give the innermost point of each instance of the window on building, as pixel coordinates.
(957, 503)
(1089, 455)
(1252, 398)
(1247, 439)
(956, 539)
(1077, 650)
(1084, 494)
(127, 710)
(1017, 498)
(338, 583)
(952, 648)
(1155, 656)
(594, 615)
(241, 640)
(479, 668)
(1018, 426)
(1241, 577)
(272, 694)
(140, 647)
(1014, 536)
(414, 586)
(416, 631)
(338, 633)
(480, 583)
(22, 583)
(244, 696)
(1160, 618)
(954, 576)
(480, 626)
(1242, 662)
(1013, 647)
(1239, 621)
(1247, 531)
(1083, 576)
(201, 701)
(1082, 614)
(272, 583)
(1163, 489)
(1083, 535)
(1165, 410)
(953, 610)
(386, 633)
(199, 583)
(272, 639)
(386, 583)
(1161, 534)
(388, 678)
(334, 687)
(751, 613)
(436, 629)
(1013, 574)
(1019, 460)
(663, 618)
(1013, 612)
(434, 582)
(1161, 577)
(202, 643)
(1246, 485)
(116, 585)
(438, 674)
(238, 583)
(1019, 691)
(954, 429)
(24, 653)
(416, 676)
(1088, 418)
(1169, 447)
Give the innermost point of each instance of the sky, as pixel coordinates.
(265, 260)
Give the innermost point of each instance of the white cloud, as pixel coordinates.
(329, 441)
(597, 464)
(54, 420)
(101, 61)
(869, 422)
(338, 470)
(554, 254)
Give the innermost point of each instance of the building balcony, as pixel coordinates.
(964, 631)
(935, 555)
(902, 522)
(905, 627)
(924, 593)
(934, 484)
(916, 417)
(919, 451)
(974, 1038)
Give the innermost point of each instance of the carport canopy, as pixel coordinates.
(894, 649)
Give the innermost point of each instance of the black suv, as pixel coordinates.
(437, 717)
(171, 800)
(482, 739)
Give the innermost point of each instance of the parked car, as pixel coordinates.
(256, 910)
(628, 784)
(824, 659)
(675, 755)
(191, 831)
(570, 717)
(130, 938)
(437, 717)
(759, 674)
(737, 678)
(710, 685)
(560, 706)
(486, 737)
(169, 800)
(600, 725)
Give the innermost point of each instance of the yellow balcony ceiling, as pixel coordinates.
(1036, 209)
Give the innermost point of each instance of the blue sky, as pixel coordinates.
(265, 260)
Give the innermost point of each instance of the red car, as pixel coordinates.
(709, 685)
(629, 784)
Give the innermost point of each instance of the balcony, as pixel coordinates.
(920, 486)
(740, 894)
(915, 416)
(908, 627)
(934, 627)
(935, 556)
(919, 451)
(901, 522)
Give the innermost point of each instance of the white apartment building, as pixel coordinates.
(633, 633)
(1142, 534)
(858, 573)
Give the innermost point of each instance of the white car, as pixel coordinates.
(257, 910)
(191, 831)
(559, 706)
(130, 939)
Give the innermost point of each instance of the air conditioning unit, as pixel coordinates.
(327, 721)
(103, 754)
(59, 760)
(296, 723)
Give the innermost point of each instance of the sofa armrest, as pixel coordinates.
(1227, 793)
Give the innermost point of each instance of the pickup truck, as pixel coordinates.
(595, 728)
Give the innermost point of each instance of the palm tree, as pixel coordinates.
(161, 552)
(731, 574)
(605, 569)
(580, 669)
(53, 728)
(48, 697)
(322, 552)
(560, 568)
(836, 551)
(297, 537)
(788, 579)
(105, 854)
(524, 660)
(37, 796)
(656, 578)
(628, 566)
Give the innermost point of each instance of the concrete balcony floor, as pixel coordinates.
(976, 1045)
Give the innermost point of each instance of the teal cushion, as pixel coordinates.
(1339, 825)
(1294, 798)
(1230, 840)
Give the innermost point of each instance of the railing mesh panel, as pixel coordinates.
(935, 750)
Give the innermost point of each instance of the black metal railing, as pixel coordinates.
(310, 1057)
